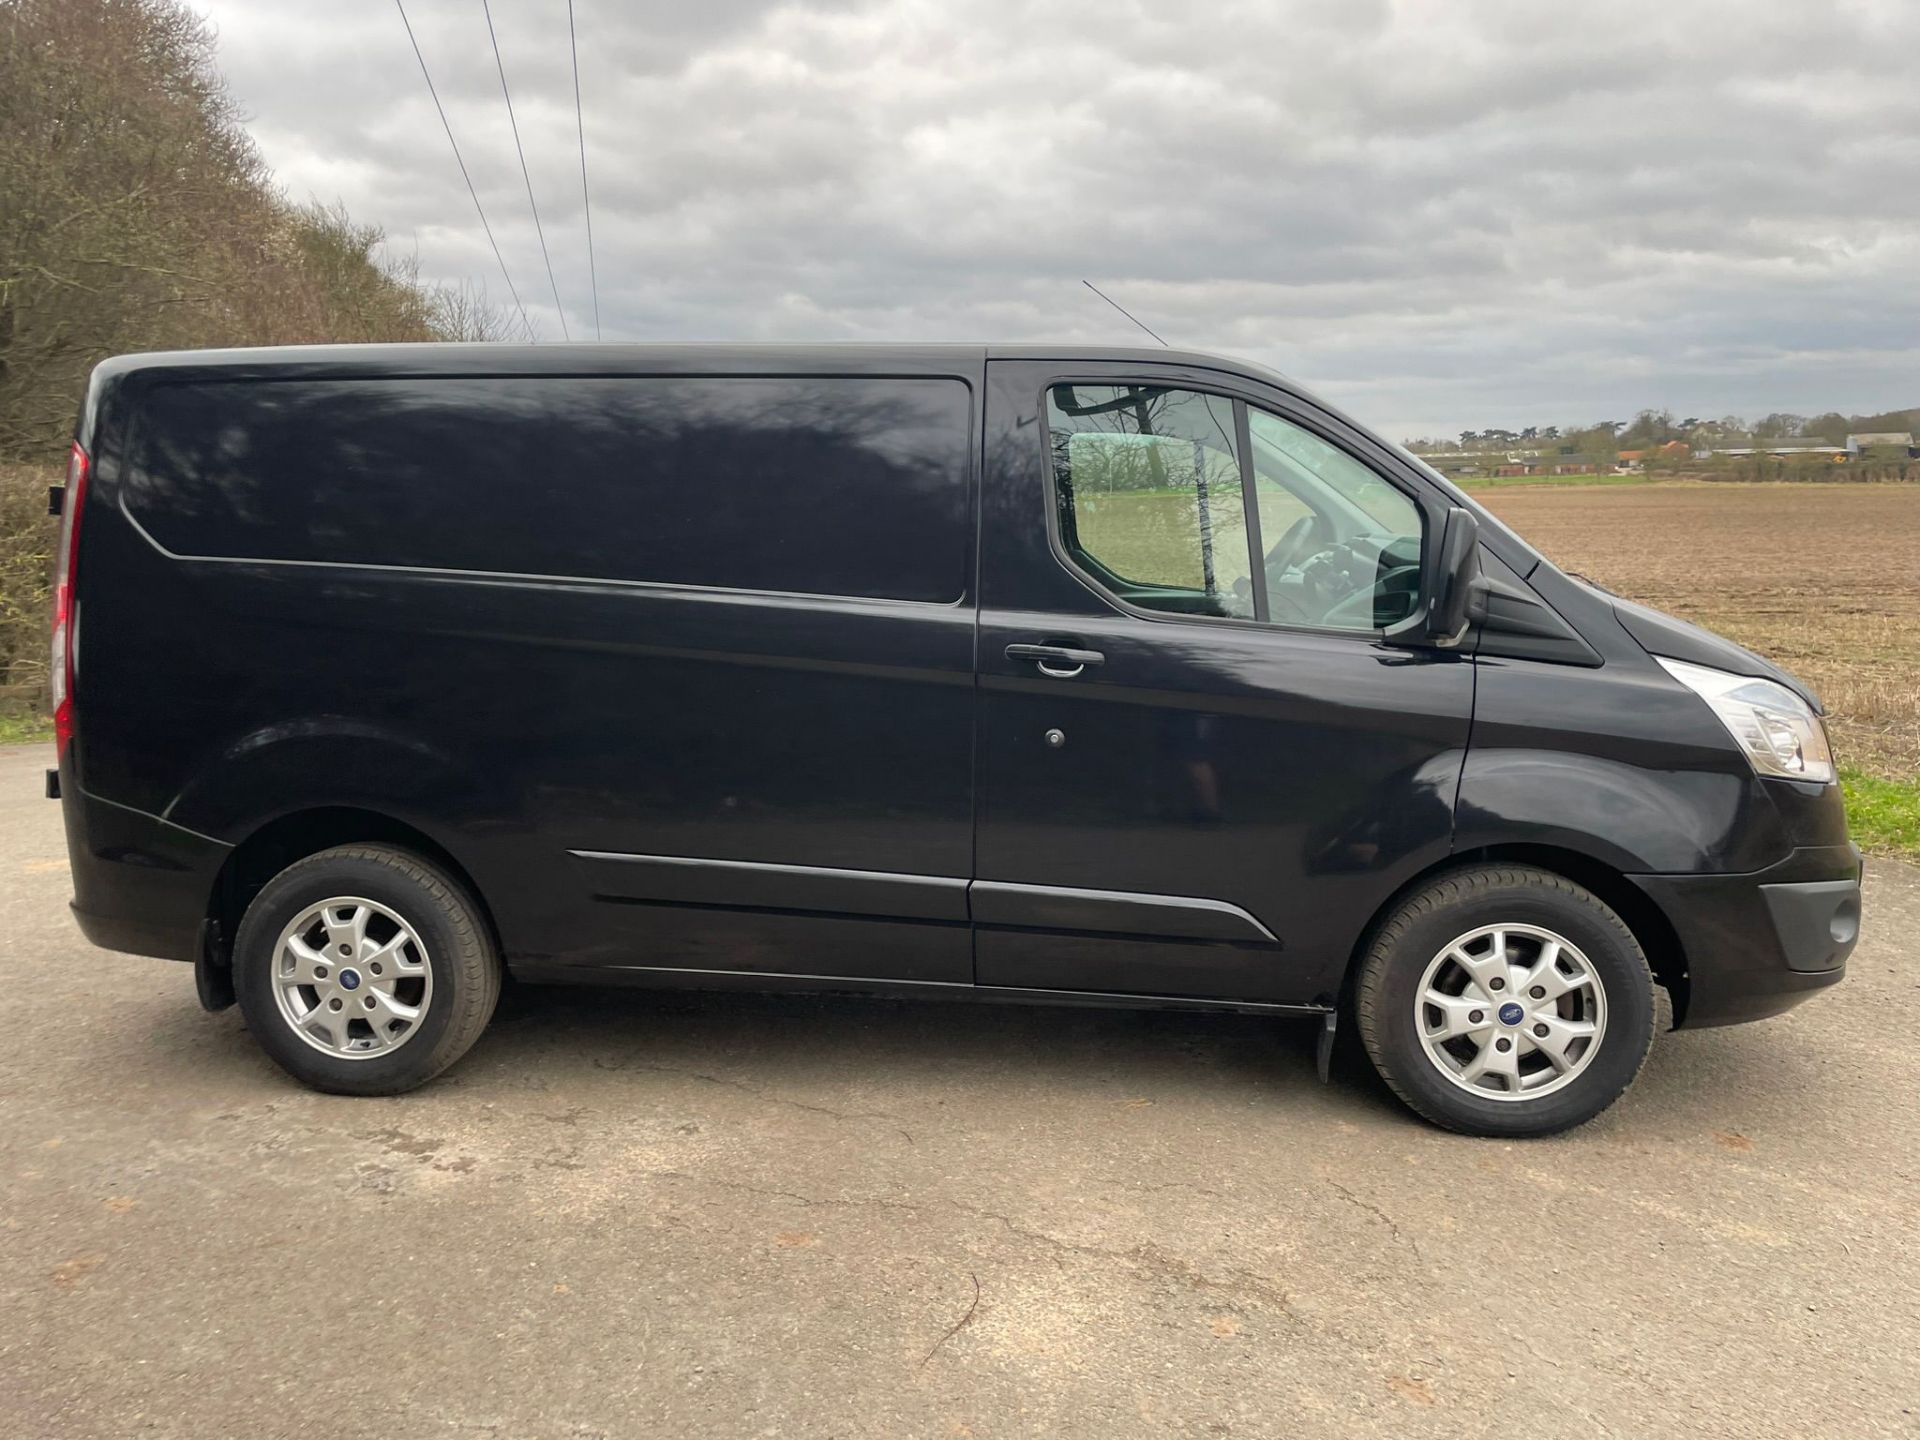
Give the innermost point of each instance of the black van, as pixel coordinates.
(1040, 673)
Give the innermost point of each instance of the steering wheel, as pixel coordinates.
(1291, 547)
(1391, 597)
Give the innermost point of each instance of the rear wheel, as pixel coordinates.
(1506, 1000)
(365, 970)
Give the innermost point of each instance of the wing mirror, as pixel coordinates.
(1456, 578)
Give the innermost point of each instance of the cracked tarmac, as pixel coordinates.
(628, 1214)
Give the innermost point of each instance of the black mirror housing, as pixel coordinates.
(1456, 577)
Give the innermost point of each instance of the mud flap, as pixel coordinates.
(1323, 1052)
(213, 969)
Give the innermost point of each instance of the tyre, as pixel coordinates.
(1505, 1000)
(365, 970)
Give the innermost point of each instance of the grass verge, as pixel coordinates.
(1883, 815)
(24, 728)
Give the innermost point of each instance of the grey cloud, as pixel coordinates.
(1444, 215)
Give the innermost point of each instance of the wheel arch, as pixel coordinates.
(1658, 940)
(287, 838)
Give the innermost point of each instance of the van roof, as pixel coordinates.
(492, 357)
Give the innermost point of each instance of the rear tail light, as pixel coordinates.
(65, 572)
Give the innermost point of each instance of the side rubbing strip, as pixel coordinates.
(758, 884)
(761, 884)
(1117, 912)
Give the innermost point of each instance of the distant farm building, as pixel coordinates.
(1461, 463)
(1514, 465)
(1898, 440)
(1785, 449)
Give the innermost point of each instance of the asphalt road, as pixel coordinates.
(633, 1215)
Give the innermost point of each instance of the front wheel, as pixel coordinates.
(364, 970)
(1506, 1000)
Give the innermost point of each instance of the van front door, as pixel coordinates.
(1201, 769)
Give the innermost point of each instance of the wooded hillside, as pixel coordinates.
(135, 214)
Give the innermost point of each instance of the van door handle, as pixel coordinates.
(1062, 662)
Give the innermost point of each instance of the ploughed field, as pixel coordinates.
(1824, 579)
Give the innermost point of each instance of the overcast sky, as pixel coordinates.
(1441, 213)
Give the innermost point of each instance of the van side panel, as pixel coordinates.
(750, 483)
(702, 618)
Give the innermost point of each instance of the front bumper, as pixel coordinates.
(1758, 944)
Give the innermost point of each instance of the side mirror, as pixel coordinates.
(1456, 578)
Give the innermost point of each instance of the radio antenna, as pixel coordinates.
(1122, 309)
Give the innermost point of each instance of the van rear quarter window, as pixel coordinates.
(821, 485)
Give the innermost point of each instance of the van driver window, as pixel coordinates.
(1149, 487)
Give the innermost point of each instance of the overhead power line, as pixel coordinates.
(479, 209)
(586, 203)
(487, 10)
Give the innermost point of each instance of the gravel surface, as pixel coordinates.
(628, 1214)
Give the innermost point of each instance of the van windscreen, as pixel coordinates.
(812, 485)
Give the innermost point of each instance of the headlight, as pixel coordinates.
(1776, 728)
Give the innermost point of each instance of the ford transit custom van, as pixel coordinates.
(1038, 673)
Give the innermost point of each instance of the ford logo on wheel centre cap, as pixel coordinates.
(1510, 1013)
(350, 980)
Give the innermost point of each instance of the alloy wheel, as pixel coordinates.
(351, 978)
(1510, 1012)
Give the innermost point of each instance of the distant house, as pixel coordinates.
(1901, 440)
(1573, 465)
(1672, 450)
(1628, 461)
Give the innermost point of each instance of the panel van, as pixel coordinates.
(1050, 674)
